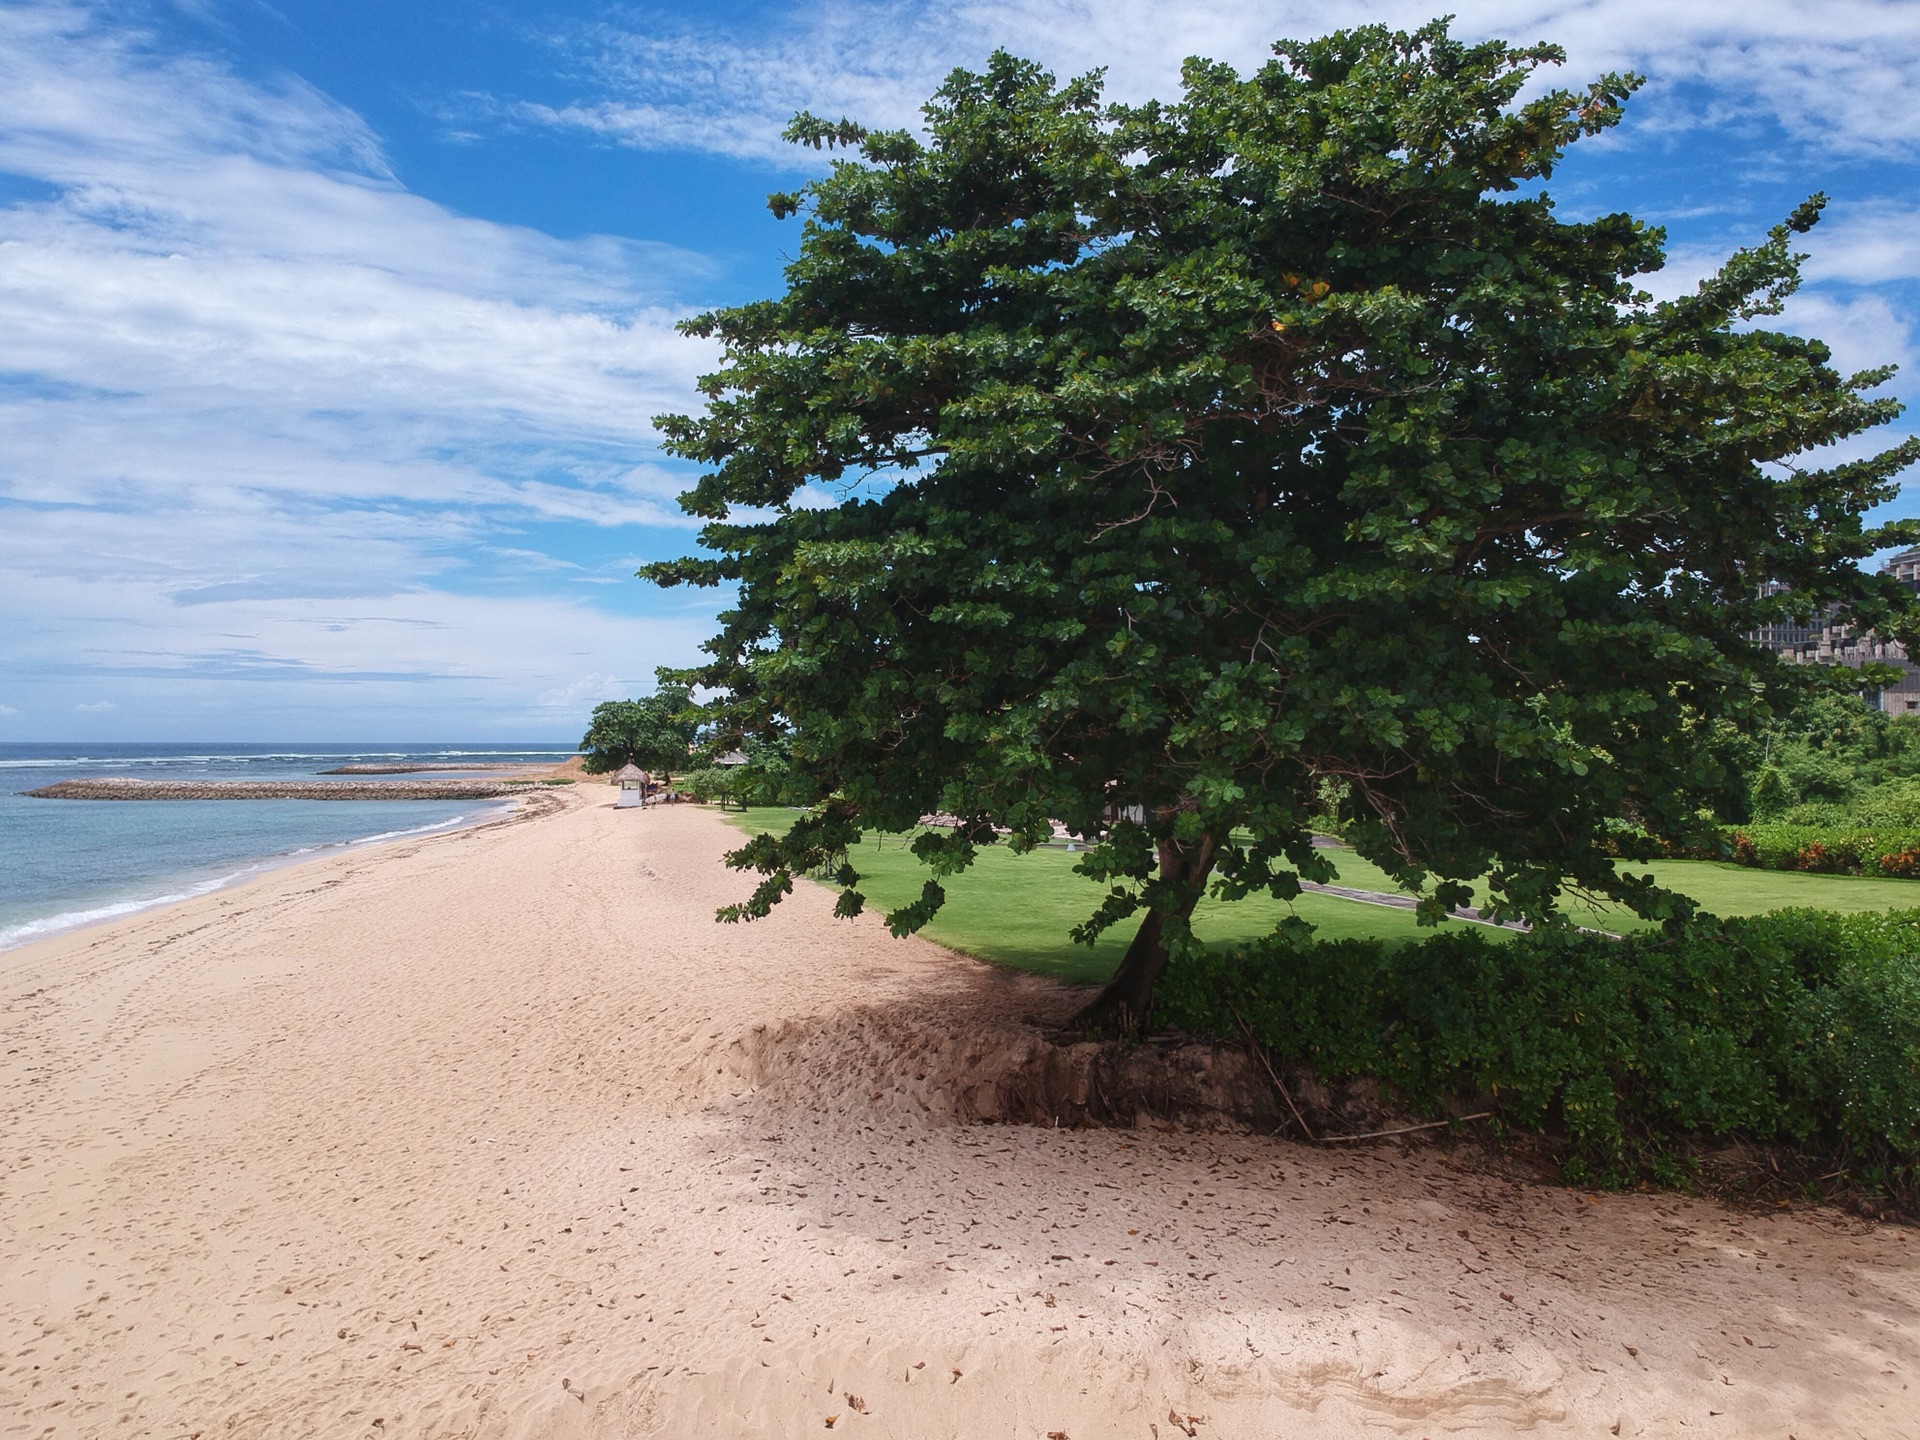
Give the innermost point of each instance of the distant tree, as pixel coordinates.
(652, 733)
(767, 777)
(1204, 463)
(1827, 756)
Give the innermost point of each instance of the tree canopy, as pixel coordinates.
(1191, 472)
(653, 732)
(1836, 761)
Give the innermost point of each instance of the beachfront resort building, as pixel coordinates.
(1825, 642)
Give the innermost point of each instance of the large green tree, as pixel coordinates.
(652, 732)
(1181, 471)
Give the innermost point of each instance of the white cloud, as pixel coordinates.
(97, 707)
(1861, 260)
(1841, 79)
(582, 693)
(1844, 74)
(1867, 244)
(263, 412)
(72, 72)
(246, 379)
(293, 666)
(320, 330)
(1863, 331)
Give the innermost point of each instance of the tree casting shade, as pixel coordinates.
(1268, 454)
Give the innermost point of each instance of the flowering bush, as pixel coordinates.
(1902, 864)
(1825, 850)
(1819, 859)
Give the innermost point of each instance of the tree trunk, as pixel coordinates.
(1126, 1003)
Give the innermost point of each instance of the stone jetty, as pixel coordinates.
(421, 769)
(282, 789)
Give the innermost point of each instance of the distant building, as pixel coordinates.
(1827, 643)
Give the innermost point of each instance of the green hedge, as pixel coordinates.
(1827, 850)
(709, 784)
(1800, 1026)
(1892, 805)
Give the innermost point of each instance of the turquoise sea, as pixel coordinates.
(65, 863)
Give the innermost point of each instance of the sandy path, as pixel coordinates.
(498, 1134)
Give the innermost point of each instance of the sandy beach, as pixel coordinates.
(497, 1133)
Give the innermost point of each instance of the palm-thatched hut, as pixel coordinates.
(632, 781)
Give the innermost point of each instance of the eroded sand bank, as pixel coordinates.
(498, 1134)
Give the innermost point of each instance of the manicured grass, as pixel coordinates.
(1730, 890)
(1017, 910)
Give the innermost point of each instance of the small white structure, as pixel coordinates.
(632, 781)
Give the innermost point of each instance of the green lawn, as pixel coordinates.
(1741, 890)
(1017, 909)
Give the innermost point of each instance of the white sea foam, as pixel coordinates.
(40, 929)
(454, 823)
(76, 919)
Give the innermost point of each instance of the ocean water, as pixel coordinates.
(66, 863)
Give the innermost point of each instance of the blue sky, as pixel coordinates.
(330, 330)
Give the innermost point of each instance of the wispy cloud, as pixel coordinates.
(1868, 243)
(274, 433)
(423, 663)
(1841, 76)
(1863, 260)
(1863, 331)
(1834, 84)
(245, 374)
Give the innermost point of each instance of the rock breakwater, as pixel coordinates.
(423, 769)
(280, 790)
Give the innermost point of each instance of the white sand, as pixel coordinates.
(498, 1134)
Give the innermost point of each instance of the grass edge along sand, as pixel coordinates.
(1795, 1027)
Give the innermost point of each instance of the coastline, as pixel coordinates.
(75, 865)
(181, 889)
(498, 1134)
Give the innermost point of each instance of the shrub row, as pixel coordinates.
(1800, 1027)
(1829, 851)
(709, 784)
(1891, 805)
